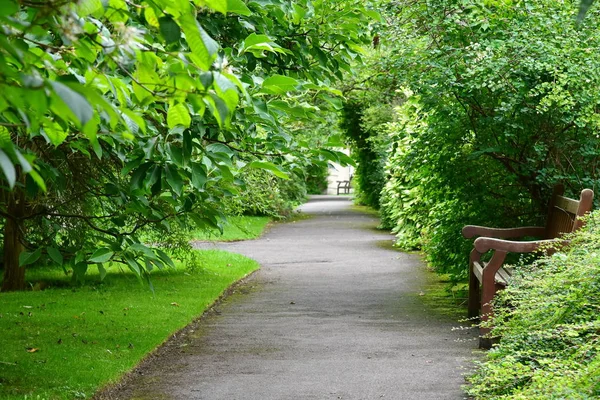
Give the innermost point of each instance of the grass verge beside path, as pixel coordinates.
(236, 228)
(67, 342)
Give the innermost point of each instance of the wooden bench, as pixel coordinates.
(563, 217)
(343, 186)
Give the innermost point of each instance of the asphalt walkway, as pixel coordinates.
(334, 313)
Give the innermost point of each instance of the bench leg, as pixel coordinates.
(488, 290)
(474, 294)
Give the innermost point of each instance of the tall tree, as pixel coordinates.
(120, 117)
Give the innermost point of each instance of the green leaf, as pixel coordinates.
(101, 255)
(178, 114)
(25, 165)
(203, 47)
(238, 7)
(139, 175)
(169, 29)
(374, 15)
(279, 84)
(9, 7)
(133, 264)
(78, 104)
(165, 258)
(142, 249)
(219, 109)
(55, 255)
(8, 169)
(55, 133)
(26, 258)
(199, 176)
(102, 271)
(219, 148)
(267, 166)
(176, 154)
(87, 7)
(217, 5)
(38, 180)
(131, 117)
(174, 179)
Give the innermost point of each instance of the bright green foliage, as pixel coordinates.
(361, 132)
(550, 327)
(265, 194)
(235, 228)
(316, 179)
(66, 343)
(118, 118)
(494, 103)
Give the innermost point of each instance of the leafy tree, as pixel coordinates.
(494, 102)
(119, 118)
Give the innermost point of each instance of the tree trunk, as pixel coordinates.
(14, 275)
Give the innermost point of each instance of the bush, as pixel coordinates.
(264, 194)
(360, 125)
(316, 178)
(549, 323)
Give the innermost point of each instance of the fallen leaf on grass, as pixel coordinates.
(32, 350)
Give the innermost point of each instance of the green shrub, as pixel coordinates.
(263, 194)
(360, 125)
(549, 323)
(316, 178)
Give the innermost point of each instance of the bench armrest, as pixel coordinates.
(470, 231)
(484, 244)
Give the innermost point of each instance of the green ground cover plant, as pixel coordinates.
(549, 323)
(236, 228)
(65, 342)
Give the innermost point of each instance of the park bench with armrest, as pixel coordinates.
(564, 216)
(344, 186)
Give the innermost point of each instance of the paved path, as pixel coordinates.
(333, 314)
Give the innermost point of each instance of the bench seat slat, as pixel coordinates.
(478, 270)
(502, 276)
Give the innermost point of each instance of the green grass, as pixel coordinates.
(87, 336)
(236, 228)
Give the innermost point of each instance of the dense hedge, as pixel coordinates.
(489, 106)
(549, 323)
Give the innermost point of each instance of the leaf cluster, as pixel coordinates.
(118, 118)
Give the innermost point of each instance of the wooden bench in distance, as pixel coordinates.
(343, 186)
(563, 217)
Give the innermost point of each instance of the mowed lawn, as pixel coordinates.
(66, 342)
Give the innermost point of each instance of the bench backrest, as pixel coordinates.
(564, 214)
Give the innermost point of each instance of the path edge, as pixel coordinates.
(113, 390)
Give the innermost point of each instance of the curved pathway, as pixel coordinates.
(332, 314)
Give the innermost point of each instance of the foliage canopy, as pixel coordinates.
(118, 117)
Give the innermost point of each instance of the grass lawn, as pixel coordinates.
(236, 228)
(66, 342)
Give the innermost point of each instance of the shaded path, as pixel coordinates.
(331, 315)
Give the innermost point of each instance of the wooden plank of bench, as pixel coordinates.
(569, 205)
(502, 276)
(478, 270)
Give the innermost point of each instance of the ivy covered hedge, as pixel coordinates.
(549, 323)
